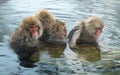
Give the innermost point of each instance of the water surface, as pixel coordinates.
(64, 61)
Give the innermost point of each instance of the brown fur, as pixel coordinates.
(59, 30)
(93, 22)
(46, 18)
(22, 33)
(54, 30)
(57, 35)
(21, 40)
(84, 32)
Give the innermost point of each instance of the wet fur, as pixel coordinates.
(85, 32)
(21, 40)
(46, 18)
(53, 28)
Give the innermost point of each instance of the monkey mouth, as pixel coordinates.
(35, 35)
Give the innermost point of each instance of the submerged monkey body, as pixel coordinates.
(24, 40)
(86, 32)
(54, 30)
(20, 42)
(83, 38)
(34, 32)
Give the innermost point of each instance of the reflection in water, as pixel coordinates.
(55, 52)
(59, 61)
(30, 61)
(88, 52)
(52, 51)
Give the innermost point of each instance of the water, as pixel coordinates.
(66, 61)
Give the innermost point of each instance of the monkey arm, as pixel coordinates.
(73, 36)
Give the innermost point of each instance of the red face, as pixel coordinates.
(34, 31)
(98, 32)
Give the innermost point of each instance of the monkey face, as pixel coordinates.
(32, 26)
(87, 31)
(98, 32)
(94, 26)
(34, 31)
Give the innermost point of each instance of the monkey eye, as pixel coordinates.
(98, 28)
(35, 26)
(31, 27)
